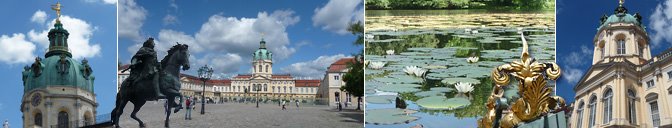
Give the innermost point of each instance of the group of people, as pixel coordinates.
(284, 103)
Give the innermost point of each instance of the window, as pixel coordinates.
(669, 75)
(38, 119)
(579, 114)
(607, 106)
(267, 68)
(284, 89)
(63, 120)
(601, 52)
(260, 69)
(632, 113)
(265, 87)
(650, 84)
(621, 47)
(347, 97)
(336, 77)
(641, 51)
(591, 117)
(655, 118)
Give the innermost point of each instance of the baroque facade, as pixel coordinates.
(626, 86)
(271, 86)
(58, 90)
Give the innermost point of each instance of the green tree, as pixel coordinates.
(354, 79)
(358, 30)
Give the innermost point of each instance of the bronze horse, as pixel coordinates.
(140, 92)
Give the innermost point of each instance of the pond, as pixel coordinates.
(441, 54)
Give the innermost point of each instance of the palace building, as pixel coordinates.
(58, 90)
(332, 82)
(626, 86)
(270, 86)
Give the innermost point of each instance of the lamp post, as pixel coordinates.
(204, 73)
(257, 87)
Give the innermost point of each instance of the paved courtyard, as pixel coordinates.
(239, 115)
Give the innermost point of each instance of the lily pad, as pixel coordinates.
(382, 99)
(442, 103)
(452, 81)
(400, 88)
(389, 116)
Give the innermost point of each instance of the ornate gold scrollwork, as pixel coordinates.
(535, 100)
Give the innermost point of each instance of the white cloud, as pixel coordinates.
(242, 35)
(131, 18)
(78, 40)
(173, 4)
(170, 20)
(104, 1)
(312, 69)
(579, 58)
(39, 17)
(16, 49)
(337, 14)
(661, 23)
(572, 75)
(221, 63)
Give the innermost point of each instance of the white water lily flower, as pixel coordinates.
(474, 32)
(390, 52)
(368, 36)
(467, 30)
(464, 87)
(472, 59)
(376, 65)
(414, 70)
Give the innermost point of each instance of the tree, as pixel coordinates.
(354, 79)
(357, 29)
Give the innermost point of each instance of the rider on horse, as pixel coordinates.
(145, 65)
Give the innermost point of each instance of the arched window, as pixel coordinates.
(260, 70)
(38, 119)
(607, 106)
(592, 104)
(267, 69)
(284, 89)
(632, 109)
(579, 114)
(265, 87)
(652, 99)
(63, 120)
(621, 47)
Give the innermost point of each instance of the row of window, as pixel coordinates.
(265, 88)
(607, 109)
(620, 49)
(260, 69)
(272, 82)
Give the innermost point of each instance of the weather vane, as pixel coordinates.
(57, 7)
(620, 2)
(262, 35)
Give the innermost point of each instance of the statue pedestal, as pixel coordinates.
(554, 120)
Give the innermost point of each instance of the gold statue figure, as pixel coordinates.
(57, 7)
(535, 98)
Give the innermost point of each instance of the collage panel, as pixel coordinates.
(57, 61)
(616, 57)
(431, 64)
(212, 64)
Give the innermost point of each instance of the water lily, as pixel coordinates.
(414, 70)
(390, 52)
(473, 59)
(464, 87)
(368, 36)
(376, 65)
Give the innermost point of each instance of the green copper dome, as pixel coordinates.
(621, 16)
(58, 68)
(262, 53)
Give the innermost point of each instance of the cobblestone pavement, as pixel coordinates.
(241, 115)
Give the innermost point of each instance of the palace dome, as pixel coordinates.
(262, 53)
(621, 16)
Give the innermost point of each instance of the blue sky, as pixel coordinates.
(304, 36)
(92, 26)
(577, 22)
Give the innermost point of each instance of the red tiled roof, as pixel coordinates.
(339, 65)
(307, 83)
(122, 67)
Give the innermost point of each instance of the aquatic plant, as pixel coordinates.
(472, 59)
(390, 52)
(464, 87)
(414, 70)
(376, 65)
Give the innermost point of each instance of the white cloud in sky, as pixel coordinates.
(661, 23)
(131, 18)
(170, 20)
(336, 15)
(15, 49)
(576, 59)
(78, 40)
(572, 75)
(39, 17)
(313, 68)
(103, 1)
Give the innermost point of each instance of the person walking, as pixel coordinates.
(283, 105)
(297, 104)
(187, 115)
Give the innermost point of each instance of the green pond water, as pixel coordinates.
(443, 52)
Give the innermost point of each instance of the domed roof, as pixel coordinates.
(262, 53)
(621, 16)
(59, 71)
(58, 68)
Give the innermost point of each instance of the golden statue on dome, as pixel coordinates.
(57, 7)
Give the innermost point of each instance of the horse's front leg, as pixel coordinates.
(168, 106)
